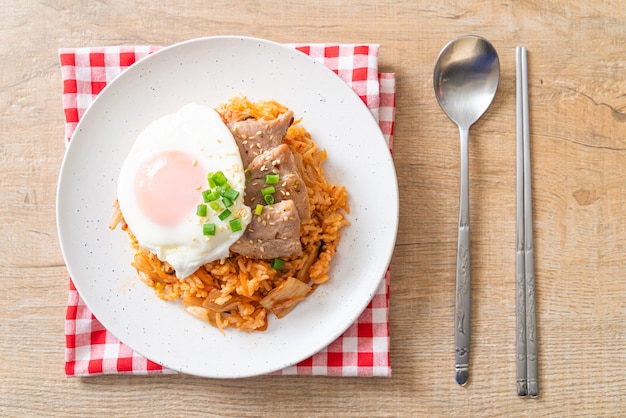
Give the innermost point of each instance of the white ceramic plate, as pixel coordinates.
(210, 71)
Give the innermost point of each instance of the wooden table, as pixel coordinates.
(577, 65)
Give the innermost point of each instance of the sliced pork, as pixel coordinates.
(290, 186)
(274, 233)
(254, 136)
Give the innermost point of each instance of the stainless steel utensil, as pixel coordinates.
(527, 372)
(466, 77)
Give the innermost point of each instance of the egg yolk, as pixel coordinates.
(167, 187)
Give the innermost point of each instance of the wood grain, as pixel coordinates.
(577, 59)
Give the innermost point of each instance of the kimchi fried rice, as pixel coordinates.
(239, 292)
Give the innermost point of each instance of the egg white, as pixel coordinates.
(198, 131)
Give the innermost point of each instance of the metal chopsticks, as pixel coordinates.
(526, 329)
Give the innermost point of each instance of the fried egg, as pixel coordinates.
(165, 178)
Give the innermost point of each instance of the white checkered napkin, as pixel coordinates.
(363, 350)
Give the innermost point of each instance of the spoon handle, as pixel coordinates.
(463, 283)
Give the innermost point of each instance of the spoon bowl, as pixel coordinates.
(466, 77)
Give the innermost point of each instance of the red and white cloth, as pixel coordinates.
(363, 350)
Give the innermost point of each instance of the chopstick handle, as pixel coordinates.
(531, 329)
(521, 355)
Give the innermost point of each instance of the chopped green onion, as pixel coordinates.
(271, 178)
(268, 190)
(248, 175)
(225, 214)
(258, 209)
(277, 264)
(209, 178)
(208, 229)
(215, 205)
(221, 190)
(235, 225)
(219, 178)
(231, 194)
(201, 210)
(227, 202)
(209, 196)
(269, 199)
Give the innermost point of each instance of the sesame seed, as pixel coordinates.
(194, 163)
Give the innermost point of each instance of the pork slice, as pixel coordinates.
(275, 233)
(290, 186)
(254, 136)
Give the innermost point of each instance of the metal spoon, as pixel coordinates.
(466, 78)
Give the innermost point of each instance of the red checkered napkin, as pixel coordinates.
(363, 350)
